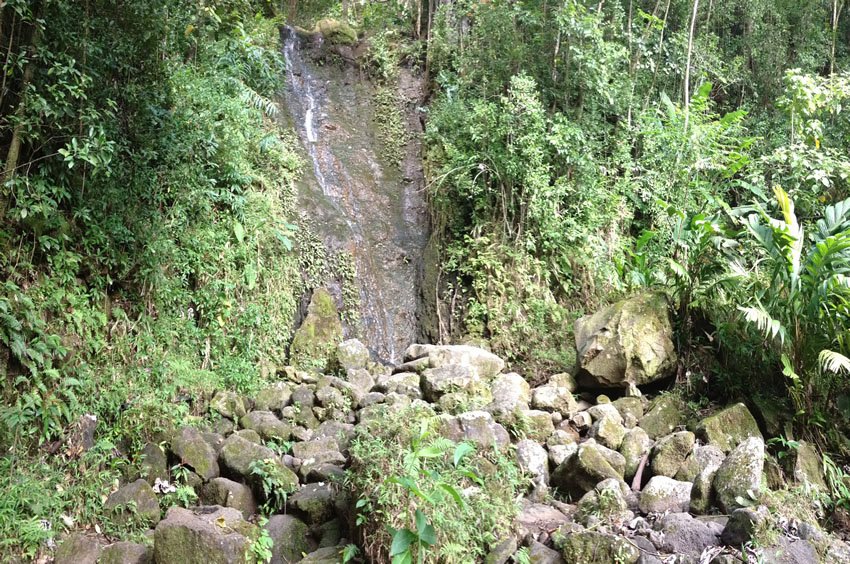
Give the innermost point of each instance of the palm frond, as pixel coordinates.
(836, 219)
(831, 361)
(772, 328)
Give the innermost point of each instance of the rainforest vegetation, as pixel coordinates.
(575, 152)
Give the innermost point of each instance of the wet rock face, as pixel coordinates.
(627, 343)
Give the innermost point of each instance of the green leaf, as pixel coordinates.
(452, 491)
(462, 450)
(402, 539)
(239, 231)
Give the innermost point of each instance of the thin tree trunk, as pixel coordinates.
(836, 12)
(14, 153)
(688, 65)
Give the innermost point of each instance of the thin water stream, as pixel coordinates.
(357, 202)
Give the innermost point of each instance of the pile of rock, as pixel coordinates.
(627, 481)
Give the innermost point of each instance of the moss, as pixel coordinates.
(316, 340)
(336, 32)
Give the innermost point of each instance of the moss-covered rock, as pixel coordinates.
(536, 425)
(315, 501)
(636, 443)
(78, 549)
(239, 454)
(291, 538)
(189, 445)
(205, 535)
(336, 32)
(608, 432)
(728, 428)
(228, 493)
(629, 342)
(663, 494)
(274, 397)
(665, 413)
(229, 404)
(351, 355)
(591, 547)
(807, 465)
(591, 464)
(739, 474)
(137, 499)
(314, 343)
(670, 453)
(607, 501)
(126, 553)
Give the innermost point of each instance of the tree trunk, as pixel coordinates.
(14, 153)
(688, 65)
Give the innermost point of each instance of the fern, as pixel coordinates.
(831, 361)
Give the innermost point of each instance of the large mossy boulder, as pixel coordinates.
(204, 535)
(314, 343)
(739, 476)
(239, 455)
(189, 445)
(591, 547)
(336, 32)
(134, 500)
(627, 343)
(728, 428)
(591, 464)
(291, 538)
(665, 413)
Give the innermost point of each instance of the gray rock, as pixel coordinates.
(592, 547)
(552, 397)
(665, 413)
(743, 523)
(636, 443)
(316, 454)
(483, 363)
(607, 501)
(708, 459)
(501, 552)
(603, 410)
(728, 428)
(126, 553)
(227, 493)
(807, 465)
(629, 342)
(511, 394)
(154, 463)
(328, 555)
(291, 539)
(452, 378)
(591, 464)
(78, 549)
(665, 494)
(315, 501)
(206, 535)
(352, 354)
(541, 554)
(229, 404)
(537, 518)
(536, 425)
(267, 425)
(684, 535)
(274, 397)
(670, 453)
(136, 499)
(629, 407)
(533, 460)
(608, 432)
(238, 455)
(739, 474)
(475, 426)
(405, 383)
(193, 450)
(342, 433)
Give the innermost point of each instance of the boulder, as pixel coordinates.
(477, 427)
(501, 552)
(629, 342)
(267, 425)
(557, 395)
(336, 32)
(228, 404)
(205, 535)
(534, 461)
(327, 555)
(601, 410)
(274, 397)
(592, 547)
(405, 383)
(451, 378)
(591, 464)
(607, 501)
(342, 433)
(807, 465)
(670, 452)
(136, 499)
(536, 425)
(742, 525)
(316, 454)
(511, 394)
(227, 493)
(193, 450)
(665, 413)
(126, 553)
(315, 341)
(663, 494)
(683, 535)
(315, 501)
(728, 428)
(630, 408)
(153, 464)
(739, 474)
(537, 518)
(238, 455)
(352, 354)
(608, 432)
(78, 549)
(484, 364)
(635, 444)
(539, 553)
(290, 537)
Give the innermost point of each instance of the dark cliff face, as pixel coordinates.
(354, 200)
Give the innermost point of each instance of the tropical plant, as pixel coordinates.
(802, 297)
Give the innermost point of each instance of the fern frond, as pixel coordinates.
(772, 328)
(257, 101)
(831, 361)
